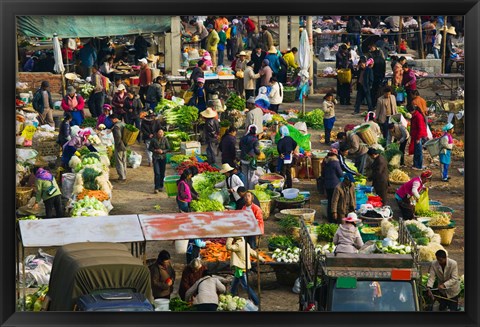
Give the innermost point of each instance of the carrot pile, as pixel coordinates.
(214, 252)
(458, 144)
(99, 195)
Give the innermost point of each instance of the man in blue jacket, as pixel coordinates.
(364, 85)
(88, 57)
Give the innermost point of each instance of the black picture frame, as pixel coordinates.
(9, 10)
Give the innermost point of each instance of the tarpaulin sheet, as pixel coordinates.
(82, 268)
(90, 26)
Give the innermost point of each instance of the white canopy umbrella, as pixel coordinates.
(304, 61)
(57, 53)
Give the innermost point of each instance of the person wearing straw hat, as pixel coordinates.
(152, 60)
(379, 173)
(347, 238)
(343, 198)
(409, 193)
(273, 60)
(449, 51)
(240, 67)
(446, 145)
(266, 38)
(445, 271)
(74, 104)
(211, 132)
(232, 182)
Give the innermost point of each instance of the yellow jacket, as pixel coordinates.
(237, 253)
(212, 41)
(290, 59)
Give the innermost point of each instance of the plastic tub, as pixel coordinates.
(161, 304)
(170, 183)
(290, 193)
(181, 246)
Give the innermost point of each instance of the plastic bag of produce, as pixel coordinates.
(423, 202)
(28, 132)
(26, 156)
(250, 306)
(134, 160)
(296, 286)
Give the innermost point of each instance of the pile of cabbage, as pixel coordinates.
(89, 206)
(290, 255)
(231, 303)
(324, 249)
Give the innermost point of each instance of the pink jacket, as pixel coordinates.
(184, 193)
(406, 189)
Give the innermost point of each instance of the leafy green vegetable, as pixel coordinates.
(89, 175)
(313, 119)
(235, 102)
(181, 116)
(163, 105)
(271, 151)
(89, 122)
(422, 241)
(225, 123)
(131, 128)
(206, 205)
(300, 197)
(326, 232)
(177, 304)
(288, 222)
(281, 241)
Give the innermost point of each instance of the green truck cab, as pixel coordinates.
(359, 282)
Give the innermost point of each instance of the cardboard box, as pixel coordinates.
(191, 148)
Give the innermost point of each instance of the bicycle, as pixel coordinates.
(437, 107)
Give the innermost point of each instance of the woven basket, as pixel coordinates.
(129, 137)
(289, 96)
(265, 206)
(22, 195)
(367, 135)
(308, 215)
(446, 233)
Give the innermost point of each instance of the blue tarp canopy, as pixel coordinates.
(91, 26)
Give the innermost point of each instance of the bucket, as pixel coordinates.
(134, 80)
(181, 246)
(317, 166)
(161, 304)
(68, 180)
(433, 147)
(323, 208)
(25, 97)
(170, 183)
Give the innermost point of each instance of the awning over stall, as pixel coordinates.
(91, 26)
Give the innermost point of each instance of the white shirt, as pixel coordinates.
(276, 94)
(234, 182)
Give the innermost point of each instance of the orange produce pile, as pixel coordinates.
(214, 252)
(99, 195)
(458, 144)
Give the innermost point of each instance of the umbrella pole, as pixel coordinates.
(258, 282)
(420, 38)
(444, 41)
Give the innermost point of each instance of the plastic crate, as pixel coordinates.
(368, 237)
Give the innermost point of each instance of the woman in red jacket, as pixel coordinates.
(257, 212)
(418, 131)
(74, 104)
(118, 102)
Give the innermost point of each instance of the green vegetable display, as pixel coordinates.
(31, 217)
(179, 158)
(299, 198)
(175, 138)
(181, 116)
(326, 232)
(314, 119)
(287, 222)
(89, 175)
(164, 104)
(131, 128)
(177, 304)
(235, 102)
(271, 152)
(89, 206)
(393, 249)
(289, 88)
(281, 241)
(85, 90)
(207, 180)
(206, 205)
(33, 302)
(89, 122)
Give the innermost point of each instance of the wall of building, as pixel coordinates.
(35, 79)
